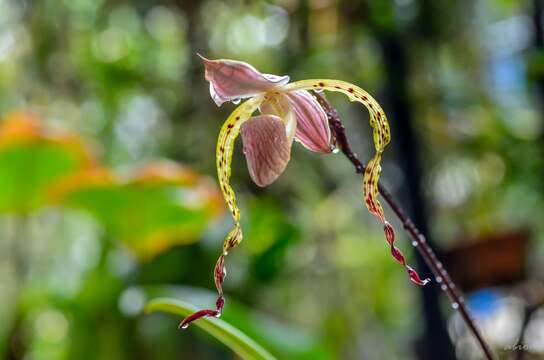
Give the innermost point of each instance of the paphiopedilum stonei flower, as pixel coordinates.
(288, 111)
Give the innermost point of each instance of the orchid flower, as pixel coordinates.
(288, 112)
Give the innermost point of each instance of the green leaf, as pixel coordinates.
(161, 206)
(284, 340)
(237, 341)
(32, 159)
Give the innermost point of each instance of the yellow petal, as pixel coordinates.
(225, 146)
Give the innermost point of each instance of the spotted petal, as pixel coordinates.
(225, 146)
(380, 131)
(312, 125)
(230, 80)
(266, 147)
(382, 136)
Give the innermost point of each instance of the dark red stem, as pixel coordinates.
(441, 275)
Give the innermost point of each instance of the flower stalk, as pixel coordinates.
(442, 276)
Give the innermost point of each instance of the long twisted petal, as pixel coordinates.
(378, 122)
(225, 147)
(381, 136)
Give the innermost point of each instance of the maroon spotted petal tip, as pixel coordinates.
(184, 324)
(397, 254)
(414, 277)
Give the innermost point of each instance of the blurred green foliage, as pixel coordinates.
(162, 206)
(31, 160)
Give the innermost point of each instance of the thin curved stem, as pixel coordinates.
(441, 275)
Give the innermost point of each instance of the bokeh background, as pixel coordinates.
(108, 195)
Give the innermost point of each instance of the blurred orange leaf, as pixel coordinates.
(32, 158)
(161, 205)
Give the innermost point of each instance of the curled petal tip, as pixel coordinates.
(414, 277)
(184, 324)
